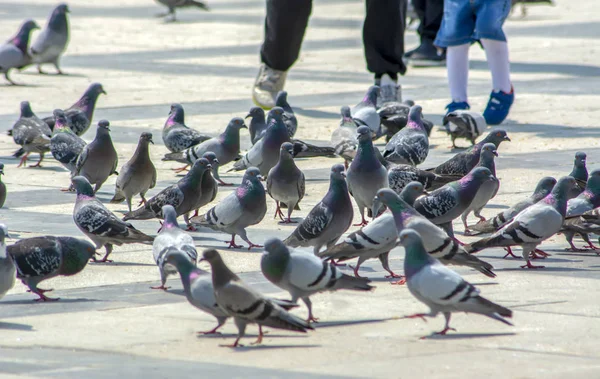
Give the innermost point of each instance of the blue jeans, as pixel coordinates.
(466, 21)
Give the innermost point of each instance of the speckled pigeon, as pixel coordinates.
(533, 225)
(99, 224)
(138, 175)
(580, 172)
(411, 144)
(32, 134)
(394, 116)
(585, 202)
(41, 258)
(440, 288)
(245, 206)
(343, 139)
(329, 219)
(14, 52)
(52, 41)
(7, 266)
(365, 112)
(246, 305)
(289, 118)
(366, 175)
(176, 135)
(174, 4)
(285, 183)
(399, 175)
(302, 274)
(99, 159)
(65, 145)
(258, 124)
(464, 124)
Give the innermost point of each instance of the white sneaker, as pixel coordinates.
(390, 90)
(267, 85)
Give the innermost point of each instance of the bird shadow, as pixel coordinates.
(460, 336)
(60, 300)
(16, 326)
(244, 348)
(329, 324)
(70, 75)
(123, 263)
(19, 85)
(546, 269)
(267, 334)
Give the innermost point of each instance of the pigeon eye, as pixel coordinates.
(498, 134)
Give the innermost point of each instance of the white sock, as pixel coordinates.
(457, 63)
(496, 53)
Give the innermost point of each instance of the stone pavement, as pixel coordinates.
(109, 323)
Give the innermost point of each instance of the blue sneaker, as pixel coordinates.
(455, 106)
(498, 107)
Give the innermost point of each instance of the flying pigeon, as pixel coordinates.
(138, 175)
(411, 144)
(14, 52)
(99, 159)
(285, 183)
(245, 206)
(52, 41)
(365, 112)
(176, 135)
(440, 288)
(289, 118)
(65, 145)
(99, 224)
(7, 266)
(174, 4)
(580, 172)
(32, 134)
(329, 219)
(2, 186)
(40, 258)
(246, 305)
(343, 139)
(464, 124)
(303, 274)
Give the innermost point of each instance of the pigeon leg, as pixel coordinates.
(289, 214)
(242, 234)
(386, 266)
(458, 241)
(40, 290)
(39, 163)
(109, 248)
(181, 169)
(43, 297)
(58, 70)
(338, 264)
(161, 287)
(39, 68)
(232, 243)
(529, 265)
(446, 326)
(23, 161)
(214, 330)
(311, 316)
(235, 344)
(143, 201)
(222, 183)
(399, 282)
(509, 253)
(573, 247)
(364, 222)
(539, 254)
(9, 79)
(356, 269)
(418, 315)
(260, 336)
(191, 228)
(69, 189)
(278, 211)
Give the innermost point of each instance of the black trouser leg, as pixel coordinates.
(285, 24)
(383, 36)
(430, 14)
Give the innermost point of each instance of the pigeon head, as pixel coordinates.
(496, 136)
(252, 174)
(60, 120)
(364, 134)
(416, 256)
(62, 8)
(1, 168)
(481, 174)
(281, 99)
(177, 258)
(412, 191)
(545, 185)
(274, 246)
(346, 113)
(103, 128)
(286, 151)
(256, 112)
(3, 233)
(87, 102)
(199, 167)
(389, 198)
(170, 216)
(593, 184)
(415, 113)
(561, 193)
(58, 18)
(275, 260)
(21, 40)
(176, 115)
(276, 113)
(371, 96)
(580, 159)
(338, 172)
(82, 186)
(146, 137)
(237, 123)
(211, 256)
(26, 109)
(489, 150)
(211, 158)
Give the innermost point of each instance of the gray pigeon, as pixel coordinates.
(99, 159)
(440, 288)
(533, 225)
(366, 175)
(65, 145)
(212, 159)
(32, 134)
(138, 175)
(464, 124)
(99, 224)
(285, 183)
(245, 206)
(183, 196)
(399, 175)
(289, 118)
(542, 190)
(246, 305)
(176, 135)
(580, 172)
(81, 113)
(52, 41)
(303, 274)
(14, 52)
(2, 186)
(7, 266)
(411, 144)
(258, 124)
(448, 202)
(171, 236)
(226, 146)
(264, 154)
(365, 112)
(209, 187)
(394, 117)
(343, 139)
(463, 162)
(577, 207)
(488, 190)
(174, 4)
(329, 219)
(40, 258)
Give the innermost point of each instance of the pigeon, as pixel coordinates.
(488, 190)
(258, 125)
(183, 196)
(246, 305)
(174, 4)
(40, 258)
(399, 175)
(2, 186)
(212, 159)
(99, 159)
(343, 139)
(542, 189)
(209, 187)
(52, 41)
(365, 112)
(289, 118)
(437, 243)
(285, 183)
(365, 175)
(374, 240)
(65, 145)
(440, 288)
(32, 134)
(448, 202)
(306, 150)
(7, 266)
(303, 274)
(81, 113)
(176, 135)
(394, 116)
(585, 202)
(99, 224)
(245, 206)
(463, 162)
(138, 175)
(171, 236)
(533, 225)
(14, 52)
(264, 154)
(329, 219)
(464, 124)
(411, 144)
(226, 146)
(580, 172)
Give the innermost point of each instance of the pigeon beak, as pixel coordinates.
(376, 206)
(1, 172)
(260, 177)
(244, 126)
(495, 153)
(248, 116)
(506, 138)
(209, 165)
(103, 91)
(343, 175)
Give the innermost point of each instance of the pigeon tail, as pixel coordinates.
(306, 150)
(118, 198)
(348, 282)
(142, 213)
(281, 319)
(474, 262)
(492, 310)
(441, 180)
(198, 4)
(136, 235)
(292, 240)
(18, 153)
(179, 157)
(285, 304)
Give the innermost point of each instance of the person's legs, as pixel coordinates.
(458, 73)
(285, 24)
(432, 19)
(426, 54)
(496, 53)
